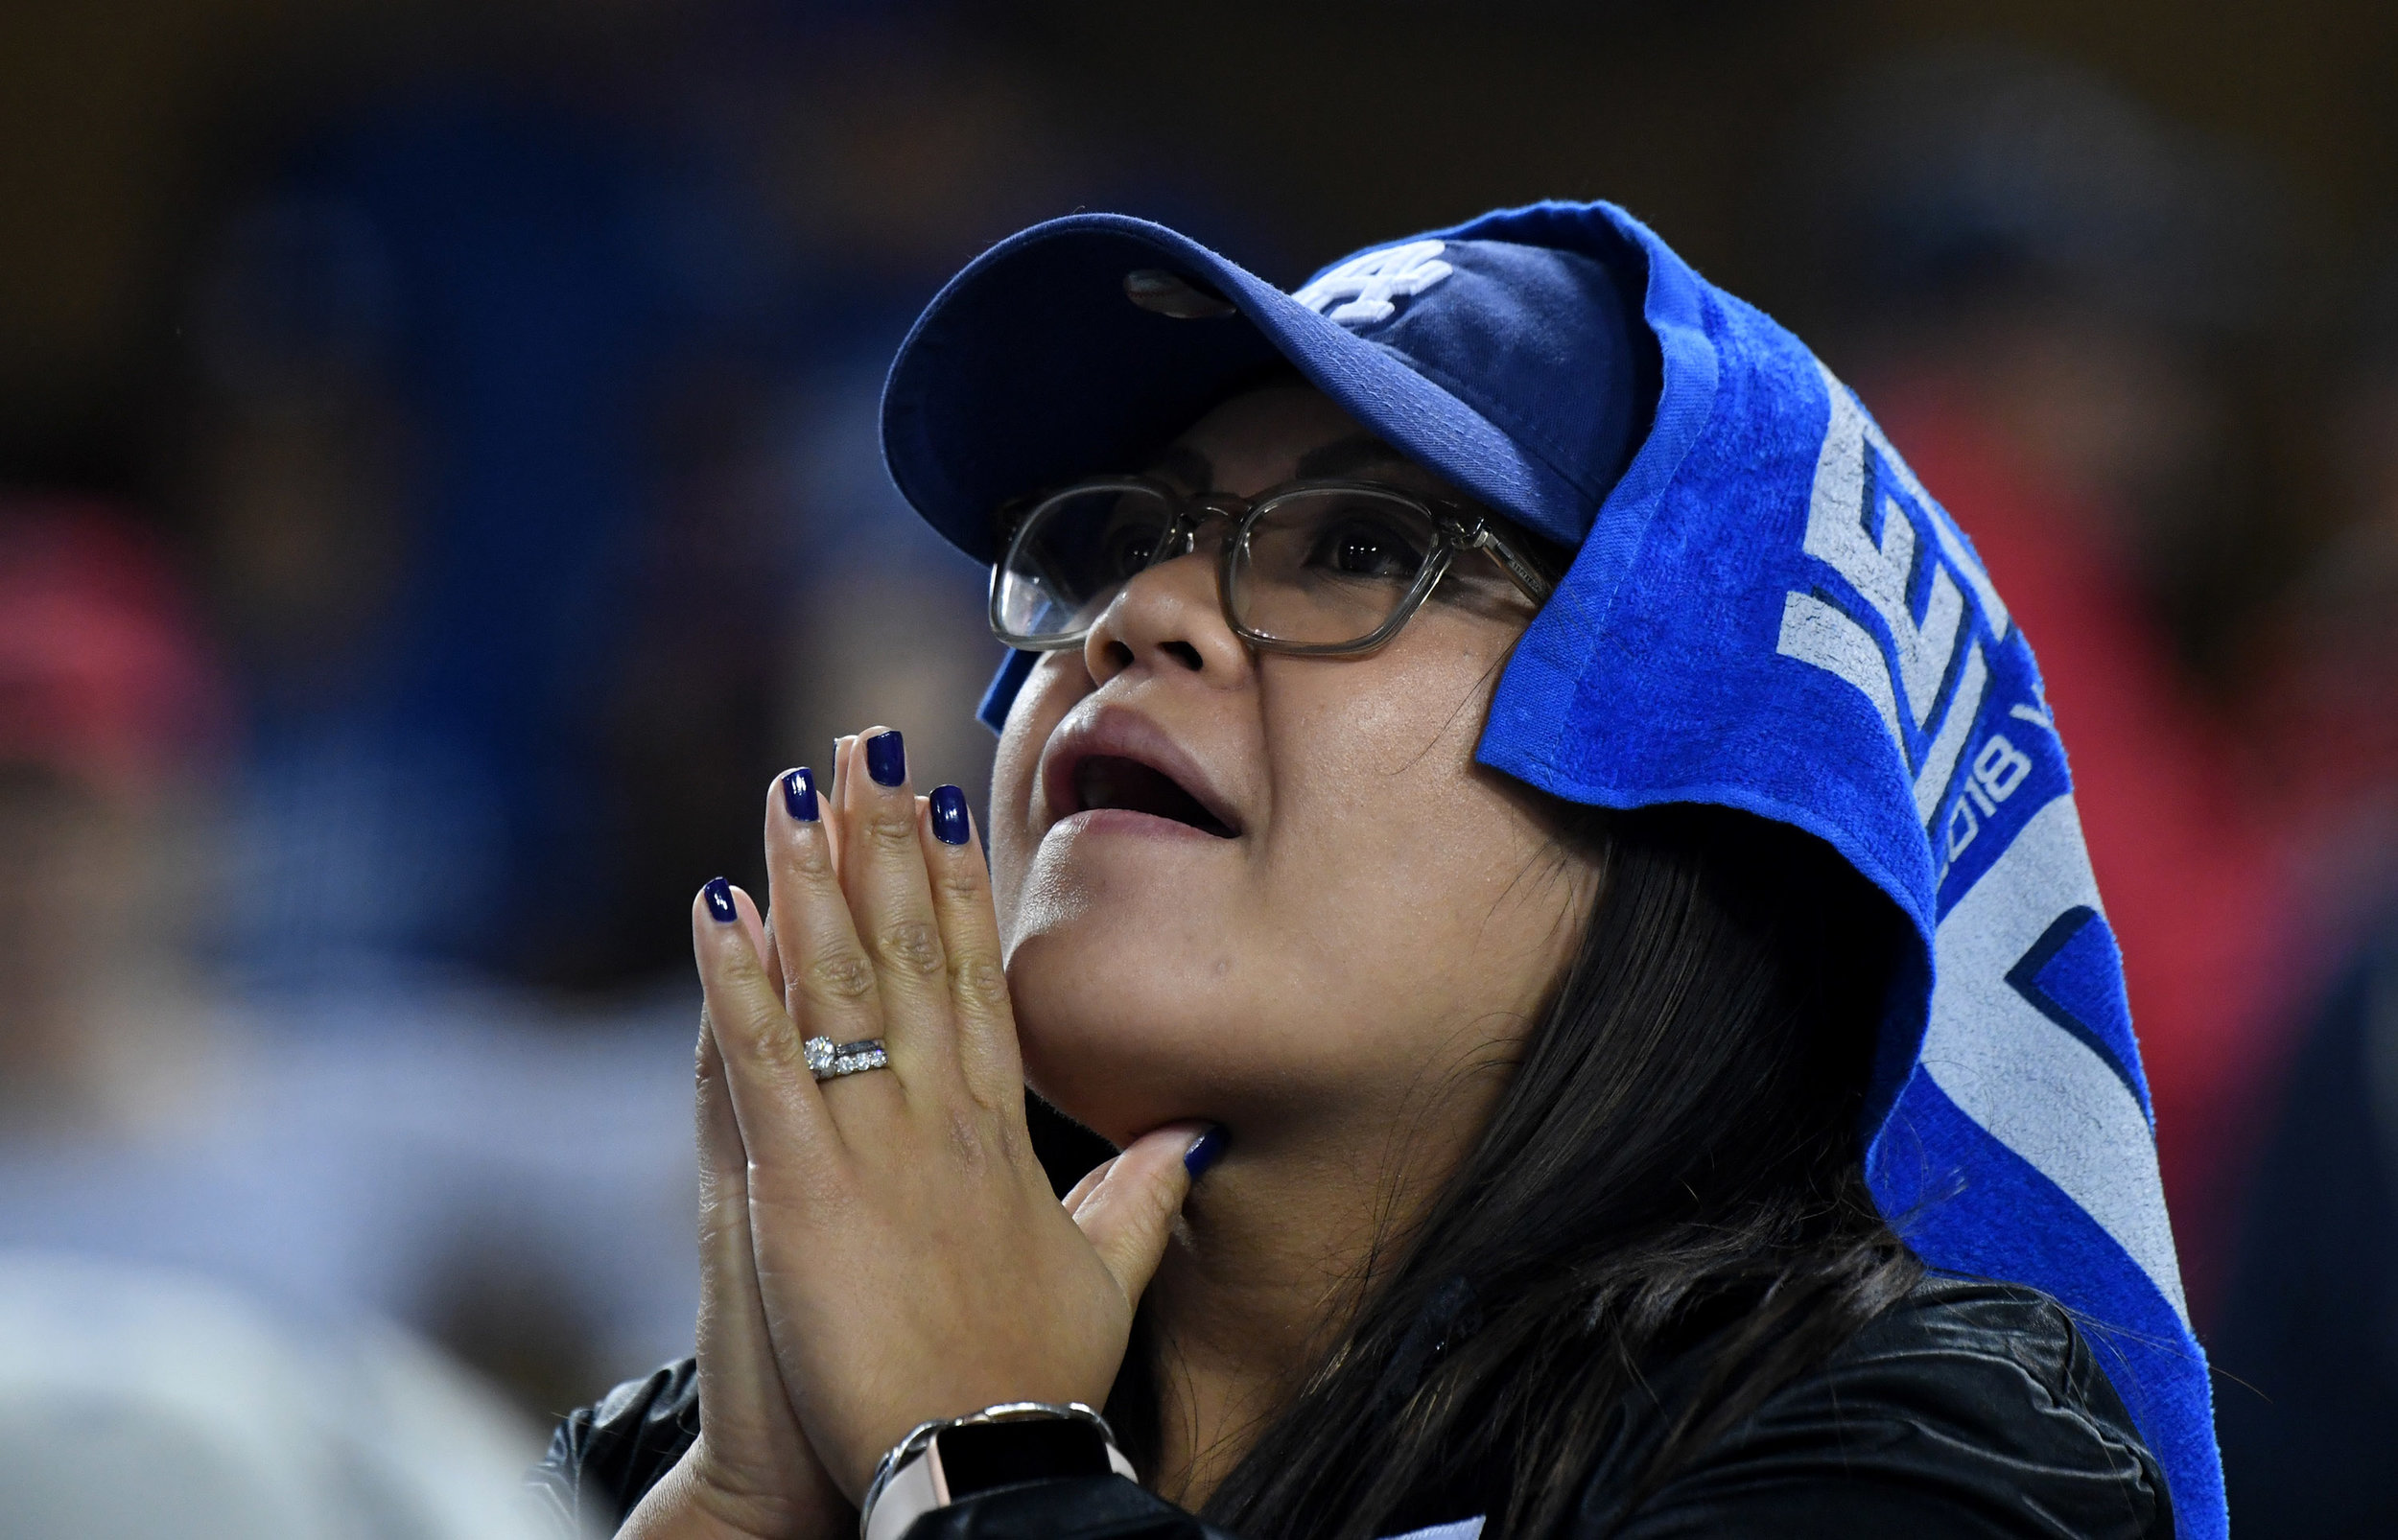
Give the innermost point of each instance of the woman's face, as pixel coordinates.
(1359, 913)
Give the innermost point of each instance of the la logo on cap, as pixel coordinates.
(1365, 286)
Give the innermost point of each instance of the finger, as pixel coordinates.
(1129, 1212)
(723, 1160)
(736, 1356)
(842, 748)
(987, 1052)
(769, 950)
(776, 1106)
(890, 896)
(755, 1441)
(797, 787)
(829, 988)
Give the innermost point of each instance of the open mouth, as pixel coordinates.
(1109, 780)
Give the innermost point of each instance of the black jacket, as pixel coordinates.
(1968, 1409)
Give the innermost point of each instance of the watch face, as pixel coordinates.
(981, 1455)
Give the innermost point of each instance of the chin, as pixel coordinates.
(1120, 1038)
(1103, 1042)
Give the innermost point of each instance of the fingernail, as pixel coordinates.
(720, 901)
(949, 824)
(1203, 1151)
(887, 758)
(799, 794)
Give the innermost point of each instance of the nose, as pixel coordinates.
(1169, 619)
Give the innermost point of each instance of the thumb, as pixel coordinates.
(1129, 1211)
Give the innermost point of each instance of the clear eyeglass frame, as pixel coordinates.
(1459, 529)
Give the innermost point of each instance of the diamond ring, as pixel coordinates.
(828, 1059)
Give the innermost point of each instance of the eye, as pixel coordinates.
(1127, 551)
(1129, 540)
(1363, 541)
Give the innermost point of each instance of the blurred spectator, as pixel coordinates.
(111, 713)
(425, 1157)
(433, 357)
(535, 450)
(2311, 1336)
(2043, 284)
(142, 1406)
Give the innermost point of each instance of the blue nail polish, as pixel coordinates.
(799, 794)
(719, 894)
(887, 758)
(1202, 1154)
(949, 824)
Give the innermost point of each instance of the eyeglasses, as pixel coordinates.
(1324, 567)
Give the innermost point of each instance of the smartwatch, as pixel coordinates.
(942, 1462)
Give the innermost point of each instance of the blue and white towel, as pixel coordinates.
(1772, 613)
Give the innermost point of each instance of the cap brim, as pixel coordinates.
(1033, 366)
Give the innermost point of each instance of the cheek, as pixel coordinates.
(1045, 698)
(1417, 884)
(1420, 892)
(1375, 789)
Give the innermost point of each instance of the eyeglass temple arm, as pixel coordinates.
(1531, 579)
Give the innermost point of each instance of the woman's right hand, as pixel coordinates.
(752, 1474)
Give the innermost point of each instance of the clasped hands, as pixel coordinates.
(883, 1248)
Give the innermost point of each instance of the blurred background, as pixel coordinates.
(438, 489)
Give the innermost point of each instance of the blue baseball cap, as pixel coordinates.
(1083, 346)
(1766, 610)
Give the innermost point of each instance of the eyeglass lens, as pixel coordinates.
(1319, 566)
(1323, 569)
(1073, 557)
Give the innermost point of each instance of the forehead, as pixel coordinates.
(1279, 433)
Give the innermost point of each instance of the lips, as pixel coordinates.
(1116, 759)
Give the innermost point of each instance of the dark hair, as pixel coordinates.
(1676, 1159)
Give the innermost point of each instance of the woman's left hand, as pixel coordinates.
(911, 1256)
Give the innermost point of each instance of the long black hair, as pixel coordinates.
(1674, 1161)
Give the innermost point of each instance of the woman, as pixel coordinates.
(1535, 838)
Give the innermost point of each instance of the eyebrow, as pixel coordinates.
(1184, 466)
